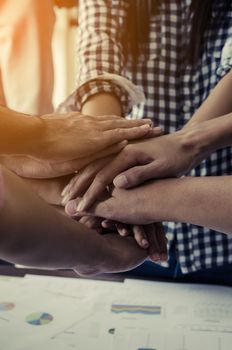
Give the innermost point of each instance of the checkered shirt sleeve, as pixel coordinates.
(174, 90)
(99, 50)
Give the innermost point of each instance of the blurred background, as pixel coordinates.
(37, 53)
(64, 53)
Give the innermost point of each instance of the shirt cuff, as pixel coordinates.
(127, 93)
(94, 87)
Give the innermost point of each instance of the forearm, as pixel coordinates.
(203, 201)
(34, 234)
(19, 133)
(49, 189)
(208, 136)
(218, 103)
(102, 104)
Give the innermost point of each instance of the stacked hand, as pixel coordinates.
(67, 143)
(150, 237)
(161, 157)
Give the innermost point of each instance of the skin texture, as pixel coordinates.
(181, 200)
(44, 149)
(33, 239)
(79, 136)
(96, 105)
(167, 156)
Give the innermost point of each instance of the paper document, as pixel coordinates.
(42, 312)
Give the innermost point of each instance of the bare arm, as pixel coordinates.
(102, 104)
(218, 103)
(63, 137)
(19, 133)
(165, 156)
(203, 201)
(34, 234)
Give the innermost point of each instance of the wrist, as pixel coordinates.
(102, 104)
(34, 139)
(197, 141)
(161, 200)
(22, 130)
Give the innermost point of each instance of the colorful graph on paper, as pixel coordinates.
(6, 306)
(39, 318)
(136, 309)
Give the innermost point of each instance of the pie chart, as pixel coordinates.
(39, 318)
(6, 306)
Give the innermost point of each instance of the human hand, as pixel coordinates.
(29, 167)
(141, 205)
(151, 237)
(119, 254)
(49, 189)
(80, 183)
(74, 136)
(120, 207)
(164, 156)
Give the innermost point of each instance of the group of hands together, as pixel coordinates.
(100, 181)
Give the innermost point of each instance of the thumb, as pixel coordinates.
(99, 209)
(138, 175)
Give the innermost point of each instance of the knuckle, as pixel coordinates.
(118, 131)
(164, 164)
(138, 175)
(100, 180)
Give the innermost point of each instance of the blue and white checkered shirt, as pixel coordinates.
(173, 89)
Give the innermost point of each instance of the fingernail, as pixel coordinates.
(121, 181)
(148, 121)
(78, 214)
(104, 223)
(124, 232)
(70, 208)
(145, 126)
(65, 190)
(124, 143)
(145, 243)
(158, 128)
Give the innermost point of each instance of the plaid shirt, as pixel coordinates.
(173, 92)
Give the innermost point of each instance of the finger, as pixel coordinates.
(91, 222)
(120, 134)
(123, 123)
(112, 118)
(69, 167)
(108, 224)
(155, 132)
(162, 240)
(105, 177)
(102, 209)
(138, 175)
(140, 236)
(154, 248)
(116, 148)
(82, 182)
(122, 229)
(70, 208)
